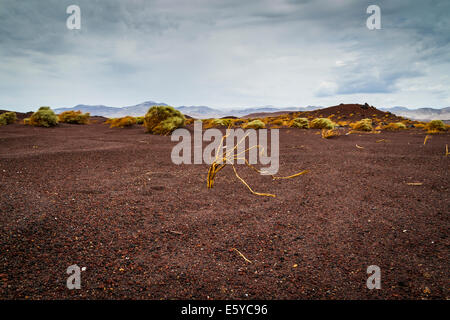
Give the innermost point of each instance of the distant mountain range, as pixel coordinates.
(207, 112)
(113, 112)
(203, 112)
(421, 113)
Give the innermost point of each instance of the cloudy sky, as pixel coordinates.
(224, 53)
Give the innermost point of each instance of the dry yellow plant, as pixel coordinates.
(219, 163)
(241, 255)
(425, 140)
(326, 134)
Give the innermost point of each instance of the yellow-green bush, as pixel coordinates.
(329, 133)
(139, 120)
(163, 120)
(255, 124)
(301, 123)
(44, 117)
(223, 122)
(75, 117)
(121, 122)
(7, 118)
(435, 125)
(207, 123)
(191, 121)
(363, 125)
(277, 122)
(321, 123)
(394, 126)
(343, 123)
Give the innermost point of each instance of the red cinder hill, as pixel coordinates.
(349, 112)
(341, 112)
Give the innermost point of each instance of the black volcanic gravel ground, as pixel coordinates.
(112, 201)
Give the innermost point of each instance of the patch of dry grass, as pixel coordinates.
(329, 133)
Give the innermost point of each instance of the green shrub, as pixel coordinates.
(75, 117)
(321, 123)
(435, 125)
(301, 123)
(163, 120)
(121, 122)
(363, 125)
(277, 122)
(255, 124)
(44, 117)
(223, 122)
(139, 120)
(394, 126)
(8, 118)
(191, 121)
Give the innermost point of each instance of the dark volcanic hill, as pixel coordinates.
(341, 112)
(350, 111)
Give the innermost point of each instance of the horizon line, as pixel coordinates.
(224, 109)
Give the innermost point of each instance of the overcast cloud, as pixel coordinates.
(224, 54)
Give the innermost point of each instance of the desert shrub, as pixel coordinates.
(329, 133)
(394, 126)
(122, 122)
(139, 120)
(163, 120)
(343, 123)
(207, 123)
(189, 121)
(435, 125)
(266, 120)
(239, 122)
(363, 125)
(11, 117)
(278, 122)
(255, 124)
(75, 117)
(8, 118)
(301, 123)
(44, 117)
(222, 122)
(321, 123)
